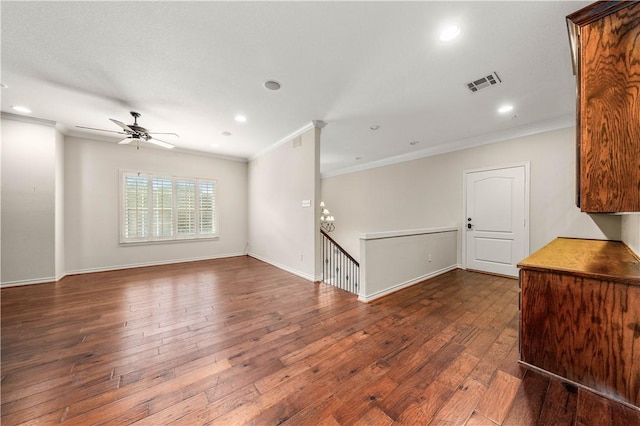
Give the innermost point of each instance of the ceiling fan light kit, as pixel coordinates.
(136, 133)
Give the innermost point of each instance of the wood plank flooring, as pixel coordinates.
(236, 341)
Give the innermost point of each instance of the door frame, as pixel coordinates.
(527, 180)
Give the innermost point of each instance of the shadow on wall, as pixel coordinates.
(609, 224)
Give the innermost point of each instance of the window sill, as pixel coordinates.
(171, 241)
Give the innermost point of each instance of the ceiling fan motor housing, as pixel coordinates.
(137, 129)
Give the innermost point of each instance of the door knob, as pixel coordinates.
(469, 225)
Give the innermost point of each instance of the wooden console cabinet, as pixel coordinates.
(605, 41)
(580, 315)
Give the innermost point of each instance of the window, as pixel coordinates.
(161, 208)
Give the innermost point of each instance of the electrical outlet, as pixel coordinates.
(429, 257)
(301, 257)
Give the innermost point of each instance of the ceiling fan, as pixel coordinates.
(135, 132)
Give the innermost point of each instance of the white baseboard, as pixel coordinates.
(144, 264)
(301, 274)
(397, 287)
(28, 282)
(114, 268)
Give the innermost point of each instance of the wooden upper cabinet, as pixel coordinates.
(605, 42)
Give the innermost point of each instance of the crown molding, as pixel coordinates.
(310, 125)
(27, 119)
(501, 136)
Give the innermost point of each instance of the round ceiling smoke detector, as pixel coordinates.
(272, 85)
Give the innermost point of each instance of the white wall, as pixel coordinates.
(91, 174)
(29, 199)
(282, 231)
(631, 231)
(427, 192)
(394, 261)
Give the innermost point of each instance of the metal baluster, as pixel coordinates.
(351, 277)
(333, 263)
(331, 257)
(342, 271)
(340, 257)
(326, 260)
(329, 264)
(324, 256)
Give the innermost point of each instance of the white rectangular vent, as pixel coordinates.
(484, 82)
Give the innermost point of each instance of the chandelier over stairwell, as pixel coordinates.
(326, 219)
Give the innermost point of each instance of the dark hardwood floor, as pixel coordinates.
(236, 341)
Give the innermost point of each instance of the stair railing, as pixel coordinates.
(339, 268)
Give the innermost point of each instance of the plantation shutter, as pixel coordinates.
(207, 208)
(162, 190)
(186, 207)
(136, 206)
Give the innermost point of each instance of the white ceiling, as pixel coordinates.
(190, 67)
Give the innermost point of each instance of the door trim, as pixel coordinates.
(527, 181)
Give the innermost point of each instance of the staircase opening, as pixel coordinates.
(339, 268)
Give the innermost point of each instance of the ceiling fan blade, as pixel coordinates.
(160, 143)
(125, 141)
(101, 130)
(121, 124)
(156, 133)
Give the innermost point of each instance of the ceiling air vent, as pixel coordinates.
(484, 82)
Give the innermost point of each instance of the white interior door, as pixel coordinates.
(496, 228)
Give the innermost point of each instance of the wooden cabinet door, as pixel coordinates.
(608, 122)
(582, 329)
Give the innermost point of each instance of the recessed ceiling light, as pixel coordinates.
(374, 127)
(414, 143)
(241, 118)
(449, 33)
(505, 108)
(358, 158)
(225, 133)
(272, 85)
(21, 109)
(214, 145)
